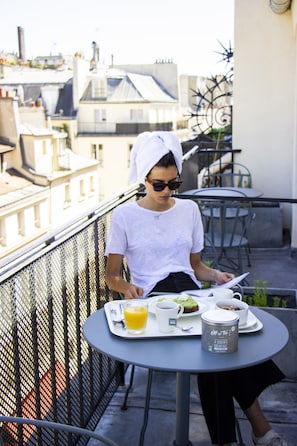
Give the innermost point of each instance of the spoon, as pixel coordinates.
(184, 328)
(116, 319)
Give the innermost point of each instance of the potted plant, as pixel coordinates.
(281, 303)
(260, 296)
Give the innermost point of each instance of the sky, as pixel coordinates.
(186, 32)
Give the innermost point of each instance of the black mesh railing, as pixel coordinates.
(47, 369)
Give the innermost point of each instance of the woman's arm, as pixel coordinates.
(205, 273)
(115, 280)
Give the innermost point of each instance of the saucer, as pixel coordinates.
(252, 322)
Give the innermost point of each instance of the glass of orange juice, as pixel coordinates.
(135, 313)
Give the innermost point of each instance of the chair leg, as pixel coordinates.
(240, 440)
(146, 406)
(124, 405)
(248, 250)
(147, 401)
(122, 373)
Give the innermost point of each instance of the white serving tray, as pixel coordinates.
(151, 331)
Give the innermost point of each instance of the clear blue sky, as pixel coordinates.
(134, 31)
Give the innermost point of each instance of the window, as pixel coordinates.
(97, 153)
(82, 188)
(37, 216)
(21, 224)
(62, 146)
(92, 185)
(2, 233)
(100, 115)
(99, 87)
(67, 195)
(94, 151)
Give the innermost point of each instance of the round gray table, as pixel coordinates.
(232, 192)
(184, 355)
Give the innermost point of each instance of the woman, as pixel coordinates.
(161, 238)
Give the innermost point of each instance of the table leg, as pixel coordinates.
(182, 409)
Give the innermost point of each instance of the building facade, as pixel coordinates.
(265, 87)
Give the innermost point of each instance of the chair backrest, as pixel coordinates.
(225, 222)
(229, 175)
(10, 432)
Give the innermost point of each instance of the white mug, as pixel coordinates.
(225, 293)
(167, 314)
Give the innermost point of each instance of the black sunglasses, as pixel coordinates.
(158, 186)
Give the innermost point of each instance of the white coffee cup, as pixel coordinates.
(225, 293)
(167, 314)
(238, 306)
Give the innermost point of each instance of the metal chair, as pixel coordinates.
(16, 435)
(227, 174)
(226, 223)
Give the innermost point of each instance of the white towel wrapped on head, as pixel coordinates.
(147, 151)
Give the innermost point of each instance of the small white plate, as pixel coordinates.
(153, 300)
(251, 323)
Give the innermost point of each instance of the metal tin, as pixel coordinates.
(219, 331)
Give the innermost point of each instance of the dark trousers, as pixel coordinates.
(175, 283)
(218, 389)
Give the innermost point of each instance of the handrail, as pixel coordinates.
(45, 424)
(105, 206)
(65, 230)
(239, 198)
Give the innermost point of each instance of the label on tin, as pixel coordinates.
(222, 340)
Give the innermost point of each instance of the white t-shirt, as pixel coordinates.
(156, 244)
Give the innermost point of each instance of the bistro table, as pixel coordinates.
(166, 353)
(229, 192)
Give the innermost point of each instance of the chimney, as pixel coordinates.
(94, 45)
(21, 40)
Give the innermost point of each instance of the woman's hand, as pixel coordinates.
(205, 273)
(116, 282)
(223, 277)
(133, 292)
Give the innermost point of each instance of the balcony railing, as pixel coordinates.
(125, 128)
(47, 370)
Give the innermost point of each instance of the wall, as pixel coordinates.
(113, 172)
(68, 206)
(264, 98)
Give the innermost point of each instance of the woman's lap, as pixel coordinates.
(175, 283)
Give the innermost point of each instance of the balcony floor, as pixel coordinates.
(279, 404)
(279, 268)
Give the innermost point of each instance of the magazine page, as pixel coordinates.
(208, 291)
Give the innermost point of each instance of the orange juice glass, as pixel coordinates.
(135, 313)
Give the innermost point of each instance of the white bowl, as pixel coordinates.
(237, 306)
